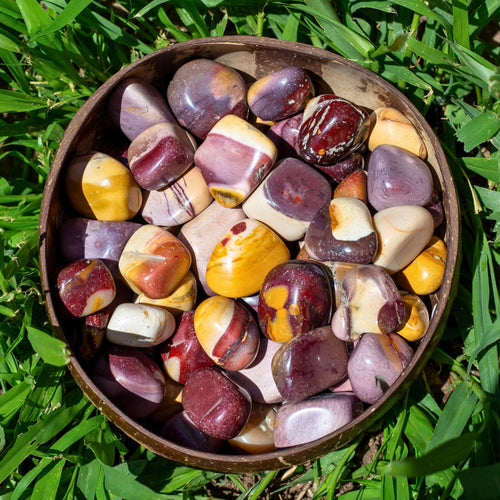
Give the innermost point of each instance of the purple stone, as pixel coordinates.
(340, 170)
(284, 134)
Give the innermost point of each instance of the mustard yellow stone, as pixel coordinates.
(279, 329)
(416, 319)
(183, 298)
(243, 257)
(392, 127)
(425, 273)
(100, 187)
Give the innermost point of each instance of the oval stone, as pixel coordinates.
(295, 297)
(342, 231)
(288, 198)
(416, 318)
(215, 404)
(397, 177)
(403, 232)
(313, 418)
(243, 257)
(227, 332)
(309, 364)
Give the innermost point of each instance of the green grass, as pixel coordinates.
(54, 54)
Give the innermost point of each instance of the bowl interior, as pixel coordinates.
(253, 57)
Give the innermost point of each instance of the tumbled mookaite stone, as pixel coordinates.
(160, 155)
(202, 91)
(284, 134)
(180, 429)
(353, 186)
(342, 231)
(201, 241)
(332, 128)
(242, 259)
(183, 355)
(425, 273)
(313, 418)
(370, 303)
(288, 198)
(81, 238)
(131, 379)
(183, 298)
(135, 105)
(338, 171)
(257, 379)
(154, 262)
(295, 297)
(309, 363)
(392, 127)
(280, 94)
(100, 187)
(140, 325)
(257, 436)
(216, 405)
(234, 158)
(92, 333)
(227, 332)
(86, 286)
(397, 177)
(375, 364)
(416, 319)
(184, 199)
(403, 232)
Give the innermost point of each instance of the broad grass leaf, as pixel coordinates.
(440, 458)
(52, 350)
(290, 30)
(34, 15)
(150, 6)
(491, 336)
(12, 400)
(17, 102)
(47, 484)
(418, 429)
(28, 478)
(481, 482)
(90, 476)
(427, 53)
(461, 23)
(420, 7)
(486, 167)
(479, 130)
(7, 42)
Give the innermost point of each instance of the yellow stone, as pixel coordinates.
(416, 319)
(392, 127)
(100, 187)
(241, 260)
(425, 273)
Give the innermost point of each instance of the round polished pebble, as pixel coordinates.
(332, 128)
(342, 231)
(353, 186)
(203, 91)
(370, 303)
(339, 170)
(280, 94)
(309, 363)
(180, 202)
(392, 127)
(183, 298)
(257, 379)
(131, 380)
(160, 155)
(376, 363)
(295, 297)
(397, 177)
(100, 187)
(201, 234)
(183, 355)
(139, 325)
(86, 286)
(216, 405)
(180, 429)
(227, 332)
(257, 436)
(313, 418)
(92, 334)
(416, 319)
(154, 262)
(234, 158)
(135, 105)
(242, 259)
(288, 198)
(284, 135)
(424, 275)
(403, 232)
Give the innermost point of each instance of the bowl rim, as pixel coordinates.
(285, 457)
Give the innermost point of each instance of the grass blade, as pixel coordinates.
(52, 350)
(47, 484)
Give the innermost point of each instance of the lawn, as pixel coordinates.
(442, 440)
